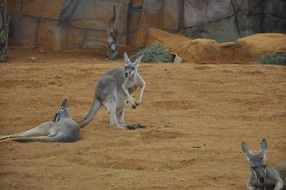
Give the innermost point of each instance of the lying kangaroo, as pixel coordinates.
(62, 129)
(114, 90)
(263, 177)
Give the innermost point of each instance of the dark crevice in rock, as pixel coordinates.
(213, 21)
(262, 28)
(265, 14)
(68, 10)
(235, 18)
(37, 31)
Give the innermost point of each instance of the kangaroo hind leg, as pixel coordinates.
(120, 115)
(40, 130)
(110, 105)
(40, 138)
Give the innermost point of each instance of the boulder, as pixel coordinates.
(259, 44)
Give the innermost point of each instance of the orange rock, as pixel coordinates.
(42, 8)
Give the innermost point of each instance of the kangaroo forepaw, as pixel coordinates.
(134, 106)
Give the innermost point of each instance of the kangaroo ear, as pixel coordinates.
(246, 150)
(263, 145)
(56, 117)
(126, 59)
(65, 103)
(138, 60)
(263, 148)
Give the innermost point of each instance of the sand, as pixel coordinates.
(196, 117)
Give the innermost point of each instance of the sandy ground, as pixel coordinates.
(196, 118)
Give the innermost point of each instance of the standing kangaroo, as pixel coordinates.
(263, 177)
(62, 129)
(114, 90)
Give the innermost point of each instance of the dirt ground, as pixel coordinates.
(196, 118)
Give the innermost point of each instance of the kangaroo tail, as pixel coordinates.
(96, 105)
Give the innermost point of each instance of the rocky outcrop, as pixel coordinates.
(207, 51)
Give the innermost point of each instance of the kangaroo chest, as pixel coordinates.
(132, 88)
(133, 83)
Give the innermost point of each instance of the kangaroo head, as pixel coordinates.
(63, 111)
(257, 162)
(131, 67)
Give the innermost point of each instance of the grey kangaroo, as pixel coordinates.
(62, 129)
(263, 177)
(113, 92)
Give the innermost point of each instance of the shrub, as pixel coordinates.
(274, 58)
(153, 54)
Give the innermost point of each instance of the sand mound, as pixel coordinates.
(259, 44)
(243, 51)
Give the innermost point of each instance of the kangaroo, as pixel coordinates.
(263, 177)
(113, 91)
(62, 129)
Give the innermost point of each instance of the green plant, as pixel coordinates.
(153, 54)
(274, 58)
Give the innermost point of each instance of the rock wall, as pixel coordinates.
(62, 24)
(221, 20)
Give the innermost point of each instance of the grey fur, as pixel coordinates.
(62, 129)
(114, 90)
(263, 177)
